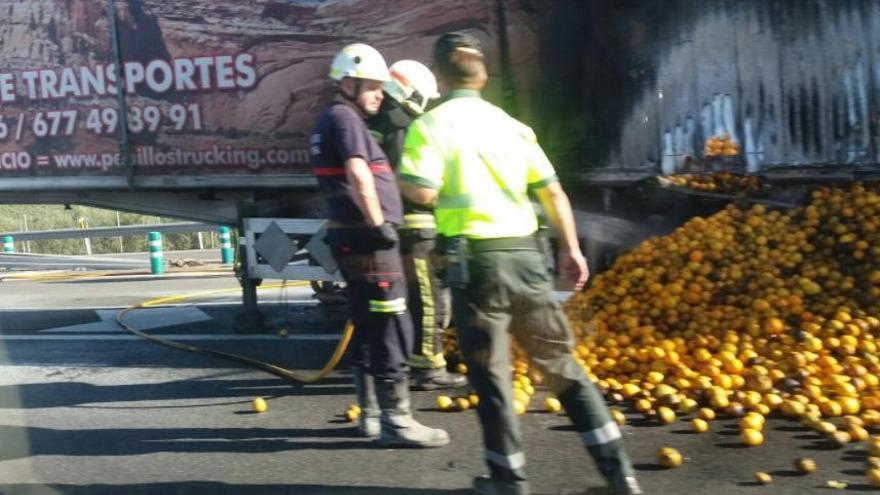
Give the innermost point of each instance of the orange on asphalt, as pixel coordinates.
(751, 437)
(669, 457)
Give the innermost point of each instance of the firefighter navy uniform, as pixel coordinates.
(371, 267)
(369, 259)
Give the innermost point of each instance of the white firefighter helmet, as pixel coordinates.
(412, 85)
(359, 61)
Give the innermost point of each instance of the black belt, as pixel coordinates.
(529, 243)
(336, 225)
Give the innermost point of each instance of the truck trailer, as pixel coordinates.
(202, 109)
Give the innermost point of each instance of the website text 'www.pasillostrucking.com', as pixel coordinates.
(150, 156)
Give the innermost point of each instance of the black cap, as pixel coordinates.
(450, 42)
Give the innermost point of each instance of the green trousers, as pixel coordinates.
(511, 293)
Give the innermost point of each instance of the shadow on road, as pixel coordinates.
(213, 488)
(72, 394)
(34, 320)
(138, 441)
(786, 473)
(648, 467)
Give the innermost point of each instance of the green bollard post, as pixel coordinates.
(227, 255)
(8, 246)
(157, 263)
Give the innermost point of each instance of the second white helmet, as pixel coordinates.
(411, 84)
(359, 61)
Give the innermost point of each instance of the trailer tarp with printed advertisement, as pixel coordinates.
(216, 92)
(223, 93)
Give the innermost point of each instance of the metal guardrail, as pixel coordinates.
(165, 228)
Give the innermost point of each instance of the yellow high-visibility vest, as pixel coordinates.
(482, 162)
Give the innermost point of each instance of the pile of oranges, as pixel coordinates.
(749, 310)
(722, 145)
(717, 182)
(748, 313)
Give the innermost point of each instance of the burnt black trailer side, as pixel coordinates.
(636, 87)
(633, 89)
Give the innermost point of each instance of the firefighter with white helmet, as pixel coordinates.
(412, 85)
(359, 61)
(365, 210)
(407, 93)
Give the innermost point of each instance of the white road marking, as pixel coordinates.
(93, 327)
(141, 320)
(107, 314)
(165, 317)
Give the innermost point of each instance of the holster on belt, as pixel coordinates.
(546, 248)
(454, 254)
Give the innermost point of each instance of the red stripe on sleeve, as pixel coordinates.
(325, 171)
(335, 171)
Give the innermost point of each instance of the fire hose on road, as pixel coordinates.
(278, 371)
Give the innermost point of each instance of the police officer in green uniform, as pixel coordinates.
(477, 165)
(407, 93)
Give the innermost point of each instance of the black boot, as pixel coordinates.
(399, 428)
(584, 405)
(488, 485)
(627, 486)
(368, 421)
(436, 379)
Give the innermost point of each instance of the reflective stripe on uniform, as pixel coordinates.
(428, 362)
(426, 294)
(393, 306)
(512, 461)
(602, 435)
(458, 201)
(419, 221)
(467, 200)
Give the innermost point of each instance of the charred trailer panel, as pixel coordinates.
(636, 88)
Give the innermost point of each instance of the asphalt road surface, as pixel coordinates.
(122, 261)
(87, 408)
